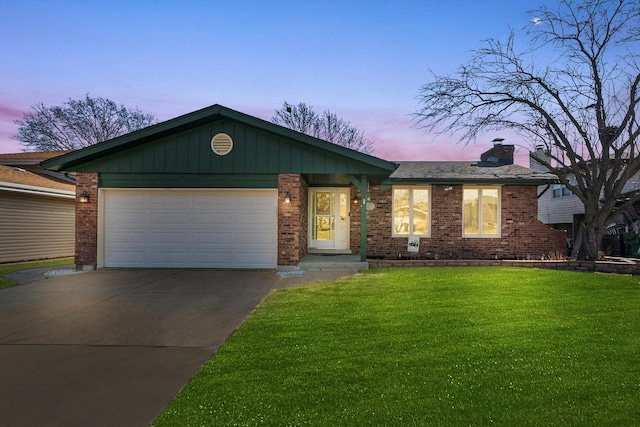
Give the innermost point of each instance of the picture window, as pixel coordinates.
(481, 212)
(411, 211)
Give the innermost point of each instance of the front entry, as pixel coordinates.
(329, 218)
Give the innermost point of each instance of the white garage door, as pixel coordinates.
(190, 228)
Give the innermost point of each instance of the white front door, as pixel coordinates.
(329, 218)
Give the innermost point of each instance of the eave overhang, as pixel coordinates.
(74, 160)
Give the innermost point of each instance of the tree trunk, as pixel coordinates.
(592, 234)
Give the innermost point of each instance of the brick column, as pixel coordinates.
(292, 238)
(87, 222)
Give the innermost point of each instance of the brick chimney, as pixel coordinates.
(499, 154)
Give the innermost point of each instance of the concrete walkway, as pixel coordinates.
(114, 346)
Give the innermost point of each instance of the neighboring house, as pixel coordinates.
(37, 209)
(220, 189)
(559, 208)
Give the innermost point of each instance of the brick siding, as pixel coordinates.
(292, 219)
(86, 221)
(523, 236)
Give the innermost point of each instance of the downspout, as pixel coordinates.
(544, 191)
(362, 186)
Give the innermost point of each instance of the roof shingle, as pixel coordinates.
(31, 157)
(468, 172)
(20, 176)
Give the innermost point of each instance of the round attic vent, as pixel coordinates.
(221, 144)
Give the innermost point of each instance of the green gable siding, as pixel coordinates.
(255, 151)
(177, 154)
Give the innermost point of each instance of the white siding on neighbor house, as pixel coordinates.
(35, 226)
(558, 210)
(633, 184)
(189, 228)
(561, 210)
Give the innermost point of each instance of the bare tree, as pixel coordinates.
(78, 123)
(582, 105)
(327, 126)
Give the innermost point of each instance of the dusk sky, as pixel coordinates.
(363, 60)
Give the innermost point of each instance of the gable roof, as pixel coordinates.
(29, 157)
(468, 173)
(18, 179)
(76, 160)
(30, 161)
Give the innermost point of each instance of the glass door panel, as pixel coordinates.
(323, 211)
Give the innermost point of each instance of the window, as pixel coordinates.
(560, 190)
(411, 215)
(481, 212)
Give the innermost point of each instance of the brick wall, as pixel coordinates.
(292, 219)
(304, 218)
(87, 221)
(503, 153)
(523, 236)
(528, 237)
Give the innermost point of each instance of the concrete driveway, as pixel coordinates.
(113, 347)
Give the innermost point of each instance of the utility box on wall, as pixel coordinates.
(631, 245)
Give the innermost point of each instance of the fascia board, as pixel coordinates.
(84, 155)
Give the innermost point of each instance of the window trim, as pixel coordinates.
(393, 209)
(562, 190)
(499, 213)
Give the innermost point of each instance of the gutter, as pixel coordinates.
(41, 191)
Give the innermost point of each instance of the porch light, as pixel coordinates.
(355, 200)
(84, 197)
(287, 198)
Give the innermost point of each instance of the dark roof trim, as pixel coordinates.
(196, 118)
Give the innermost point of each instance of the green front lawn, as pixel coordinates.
(10, 268)
(433, 346)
